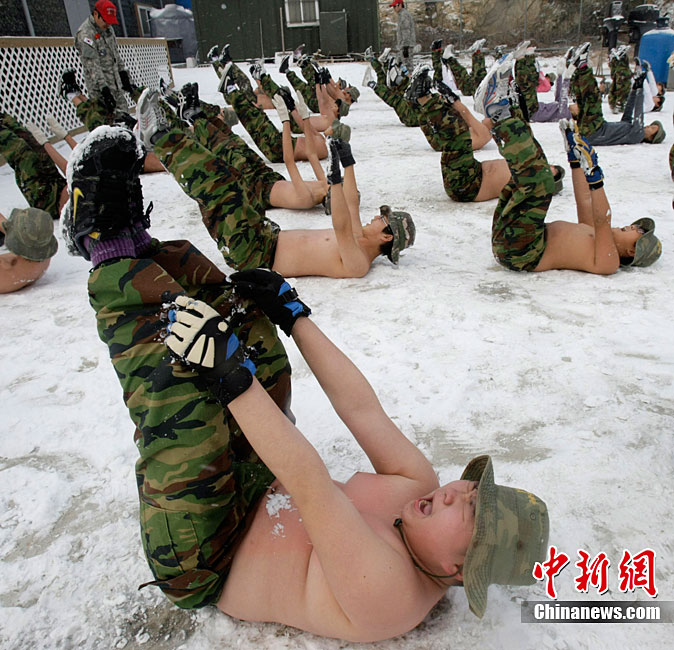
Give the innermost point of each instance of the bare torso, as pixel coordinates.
(276, 576)
(314, 252)
(568, 246)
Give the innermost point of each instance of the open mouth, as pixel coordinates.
(425, 506)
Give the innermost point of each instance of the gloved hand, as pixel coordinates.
(280, 107)
(108, 99)
(323, 76)
(446, 91)
(588, 161)
(302, 108)
(567, 129)
(273, 295)
(333, 172)
(344, 152)
(287, 96)
(203, 340)
(126, 81)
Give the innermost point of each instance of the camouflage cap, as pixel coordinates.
(341, 131)
(551, 77)
(354, 92)
(29, 232)
(558, 177)
(659, 134)
(343, 108)
(510, 536)
(648, 247)
(403, 228)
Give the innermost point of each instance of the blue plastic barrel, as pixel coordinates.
(655, 47)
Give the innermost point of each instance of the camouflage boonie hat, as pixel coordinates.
(559, 183)
(659, 134)
(648, 247)
(343, 108)
(404, 231)
(354, 92)
(510, 536)
(29, 232)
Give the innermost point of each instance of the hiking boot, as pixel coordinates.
(477, 45)
(367, 77)
(285, 64)
(297, 52)
(368, 55)
(492, 97)
(190, 106)
(521, 49)
(213, 54)
(257, 70)
(393, 76)
(69, 88)
(448, 53)
(499, 50)
(436, 45)
(227, 83)
(383, 57)
(420, 83)
(151, 118)
(105, 191)
(579, 57)
(224, 55)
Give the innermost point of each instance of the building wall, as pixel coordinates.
(253, 27)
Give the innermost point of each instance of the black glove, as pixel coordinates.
(108, 99)
(324, 76)
(126, 82)
(333, 172)
(406, 51)
(446, 91)
(199, 337)
(273, 295)
(344, 152)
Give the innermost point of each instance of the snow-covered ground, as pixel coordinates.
(564, 378)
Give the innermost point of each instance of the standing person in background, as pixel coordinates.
(406, 38)
(104, 72)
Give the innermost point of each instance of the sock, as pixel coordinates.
(113, 248)
(141, 239)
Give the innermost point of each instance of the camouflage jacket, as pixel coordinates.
(406, 35)
(101, 62)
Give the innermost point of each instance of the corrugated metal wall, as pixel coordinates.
(253, 27)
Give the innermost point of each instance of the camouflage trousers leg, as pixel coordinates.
(671, 161)
(526, 76)
(308, 92)
(464, 81)
(479, 68)
(584, 88)
(518, 227)
(266, 136)
(436, 60)
(36, 175)
(239, 76)
(270, 89)
(461, 173)
(236, 154)
(408, 114)
(198, 478)
(621, 77)
(93, 114)
(245, 237)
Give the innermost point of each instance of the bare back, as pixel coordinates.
(276, 575)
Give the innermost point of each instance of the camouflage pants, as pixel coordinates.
(245, 237)
(518, 227)
(198, 478)
(93, 114)
(621, 83)
(270, 88)
(36, 175)
(408, 114)
(526, 77)
(671, 161)
(266, 136)
(236, 154)
(461, 173)
(303, 88)
(586, 91)
(466, 82)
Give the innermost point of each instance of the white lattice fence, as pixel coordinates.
(31, 68)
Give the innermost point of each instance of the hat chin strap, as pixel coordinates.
(398, 523)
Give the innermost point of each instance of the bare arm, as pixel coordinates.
(581, 193)
(606, 258)
(356, 263)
